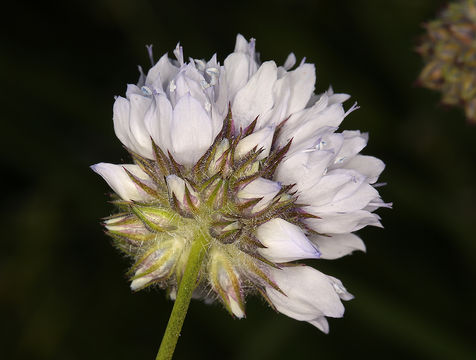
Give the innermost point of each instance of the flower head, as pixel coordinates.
(449, 51)
(245, 155)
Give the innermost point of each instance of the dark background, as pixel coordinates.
(63, 291)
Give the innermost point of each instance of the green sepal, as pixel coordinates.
(256, 270)
(249, 203)
(156, 218)
(221, 263)
(217, 196)
(188, 198)
(150, 191)
(245, 166)
(157, 264)
(253, 241)
(266, 298)
(148, 166)
(273, 160)
(163, 163)
(227, 128)
(251, 127)
(130, 238)
(262, 259)
(177, 169)
(277, 132)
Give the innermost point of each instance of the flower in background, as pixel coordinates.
(449, 51)
(244, 155)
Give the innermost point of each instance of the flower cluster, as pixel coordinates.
(247, 157)
(449, 51)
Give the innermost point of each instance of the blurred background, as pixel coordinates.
(63, 290)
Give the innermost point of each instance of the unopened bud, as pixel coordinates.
(127, 227)
(185, 197)
(219, 157)
(156, 218)
(158, 264)
(226, 282)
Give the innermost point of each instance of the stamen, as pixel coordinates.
(352, 108)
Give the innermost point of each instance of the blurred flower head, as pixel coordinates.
(449, 52)
(245, 154)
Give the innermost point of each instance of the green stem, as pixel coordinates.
(184, 295)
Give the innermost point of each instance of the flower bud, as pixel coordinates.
(158, 264)
(127, 227)
(183, 195)
(226, 282)
(219, 158)
(156, 218)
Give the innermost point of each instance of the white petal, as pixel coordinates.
(121, 111)
(153, 80)
(326, 189)
(191, 131)
(158, 120)
(321, 323)
(306, 123)
(236, 70)
(256, 97)
(120, 182)
(176, 186)
(340, 289)
(260, 187)
(217, 120)
(236, 308)
(140, 136)
(278, 113)
(290, 61)
(248, 48)
(354, 142)
(322, 139)
(340, 190)
(222, 95)
(140, 282)
(133, 89)
(189, 81)
(304, 169)
(351, 199)
(310, 295)
(301, 83)
(284, 242)
(335, 223)
(261, 139)
(369, 166)
(338, 98)
(337, 245)
(163, 70)
(241, 45)
(178, 52)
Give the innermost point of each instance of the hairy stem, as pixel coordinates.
(184, 295)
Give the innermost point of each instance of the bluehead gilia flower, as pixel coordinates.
(247, 155)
